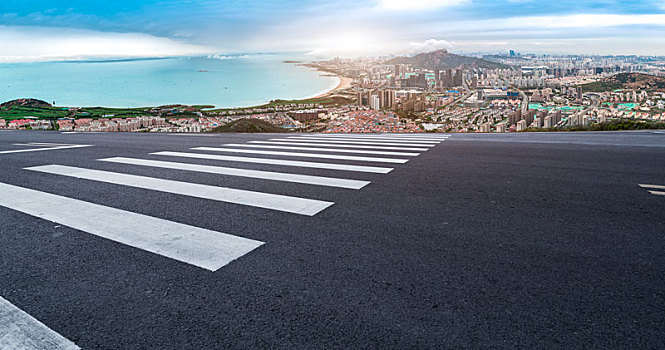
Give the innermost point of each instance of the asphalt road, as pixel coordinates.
(538, 240)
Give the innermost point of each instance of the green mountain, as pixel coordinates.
(629, 81)
(249, 125)
(442, 59)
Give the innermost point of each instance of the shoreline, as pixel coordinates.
(344, 83)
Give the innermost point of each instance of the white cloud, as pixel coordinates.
(427, 46)
(416, 5)
(589, 20)
(22, 44)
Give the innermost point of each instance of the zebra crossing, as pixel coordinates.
(204, 248)
(199, 247)
(286, 159)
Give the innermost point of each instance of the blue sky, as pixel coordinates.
(129, 28)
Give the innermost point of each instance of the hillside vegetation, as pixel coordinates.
(442, 59)
(249, 125)
(629, 81)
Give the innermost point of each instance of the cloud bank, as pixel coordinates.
(34, 44)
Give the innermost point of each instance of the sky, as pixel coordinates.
(37, 30)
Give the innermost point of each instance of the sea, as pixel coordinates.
(223, 81)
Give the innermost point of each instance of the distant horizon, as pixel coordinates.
(299, 55)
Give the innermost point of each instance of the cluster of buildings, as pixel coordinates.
(370, 121)
(33, 124)
(111, 124)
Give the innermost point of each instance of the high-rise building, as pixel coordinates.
(375, 102)
(521, 125)
(388, 98)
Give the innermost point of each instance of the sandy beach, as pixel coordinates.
(344, 83)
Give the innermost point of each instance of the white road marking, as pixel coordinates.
(336, 145)
(657, 193)
(659, 187)
(294, 163)
(383, 136)
(396, 137)
(256, 174)
(329, 140)
(43, 149)
(302, 206)
(42, 144)
(386, 139)
(69, 132)
(306, 155)
(384, 153)
(18, 330)
(350, 139)
(192, 245)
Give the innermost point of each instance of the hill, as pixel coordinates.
(629, 81)
(25, 102)
(249, 125)
(442, 59)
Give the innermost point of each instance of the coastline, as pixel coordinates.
(344, 83)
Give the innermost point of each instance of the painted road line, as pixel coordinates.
(383, 153)
(256, 174)
(43, 149)
(329, 140)
(342, 138)
(302, 206)
(196, 246)
(382, 136)
(337, 145)
(659, 187)
(427, 138)
(386, 139)
(42, 144)
(657, 193)
(306, 155)
(18, 330)
(294, 163)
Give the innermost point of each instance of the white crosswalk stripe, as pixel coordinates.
(426, 138)
(281, 142)
(192, 245)
(19, 330)
(350, 142)
(306, 155)
(41, 148)
(350, 139)
(294, 205)
(377, 138)
(395, 136)
(282, 162)
(257, 174)
(318, 149)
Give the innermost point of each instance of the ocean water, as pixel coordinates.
(226, 81)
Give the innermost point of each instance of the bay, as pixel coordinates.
(221, 81)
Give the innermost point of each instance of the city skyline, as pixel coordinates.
(39, 30)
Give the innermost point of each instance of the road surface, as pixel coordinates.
(529, 240)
